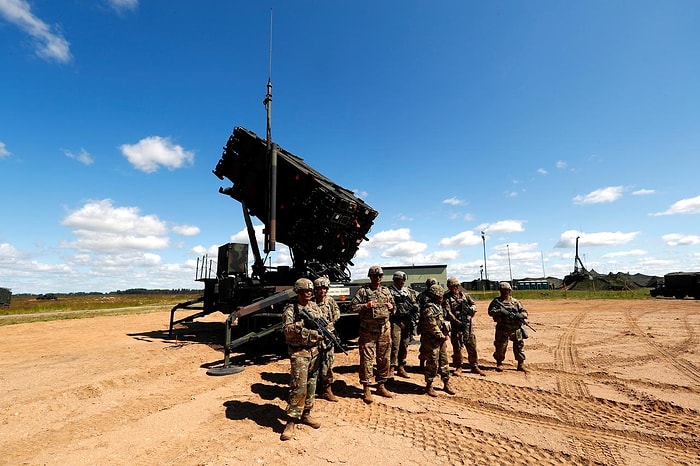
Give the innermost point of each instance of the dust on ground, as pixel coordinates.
(609, 382)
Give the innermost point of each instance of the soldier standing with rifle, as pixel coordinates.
(434, 334)
(402, 322)
(423, 300)
(509, 315)
(303, 346)
(460, 309)
(331, 314)
(374, 304)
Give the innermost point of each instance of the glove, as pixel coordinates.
(314, 337)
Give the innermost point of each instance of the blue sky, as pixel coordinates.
(535, 122)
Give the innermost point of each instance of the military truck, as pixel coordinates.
(5, 296)
(678, 285)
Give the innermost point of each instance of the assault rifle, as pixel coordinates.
(320, 324)
(513, 315)
(406, 308)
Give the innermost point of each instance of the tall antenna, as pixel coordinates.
(271, 230)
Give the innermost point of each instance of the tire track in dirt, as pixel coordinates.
(455, 443)
(685, 367)
(566, 361)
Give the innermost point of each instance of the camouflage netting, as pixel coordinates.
(593, 281)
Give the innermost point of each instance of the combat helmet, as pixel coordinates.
(430, 282)
(322, 282)
(375, 270)
(399, 275)
(435, 291)
(453, 281)
(303, 284)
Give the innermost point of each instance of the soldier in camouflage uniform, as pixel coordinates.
(374, 304)
(331, 313)
(460, 309)
(424, 298)
(433, 338)
(402, 322)
(303, 346)
(508, 313)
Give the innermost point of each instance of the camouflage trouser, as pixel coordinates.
(400, 339)
(302, 382)
(503, 334)
(468, 340)
(374, 344)
(435, 360)
(325, 374)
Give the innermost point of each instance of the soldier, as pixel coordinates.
(331, 313)
(509, 314)
(375, 305)
(423, 299)
(460, 309)
(434, 334)
(402, 322)
(303, 346)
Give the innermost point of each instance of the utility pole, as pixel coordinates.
(509, 269)
(486, 273)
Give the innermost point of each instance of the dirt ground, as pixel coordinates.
(609, 382)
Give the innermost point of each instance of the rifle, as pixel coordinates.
(512, 315)
(320, 324)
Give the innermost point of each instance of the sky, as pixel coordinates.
(534, 122)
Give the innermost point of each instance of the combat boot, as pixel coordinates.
(429, 390)
(521, 366)
(309, 421)
(476, 370)
(457, 371)
(288, 432)
(382, 391)
(448, 388)
(401, 372)
(499, 366)
(367, 396)
(328, 395)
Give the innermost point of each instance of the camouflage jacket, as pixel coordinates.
(432, 325)
(459, 308)
(377, 316)
(500, 309)
(296, 334)
(329, 311)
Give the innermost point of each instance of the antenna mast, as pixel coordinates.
(271, 230)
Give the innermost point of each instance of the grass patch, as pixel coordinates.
(26, 308)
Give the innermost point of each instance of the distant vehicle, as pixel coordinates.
(47, 296)
(5, 296)
(678, 285)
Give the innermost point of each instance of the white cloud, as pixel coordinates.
(453, 201)
(83, 157)
(542, 171)
(49, 44)
(389, 237)
(561, 164)
(100, 227)
(186, 230)
(643, 192)
(502, 226)
(465, 238)
(405, 249)
(676, 239)
(605, 238)
(598, 196)
(120, 5)
(3, 149)
(633, 252)
(684, 206)
(150, 153)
